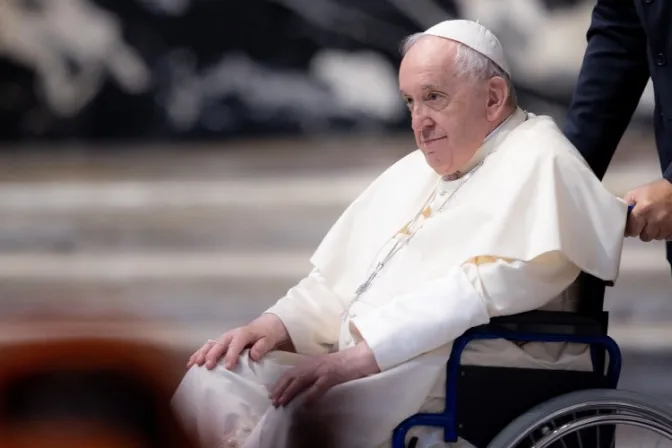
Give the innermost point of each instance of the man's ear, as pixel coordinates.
(497, 97)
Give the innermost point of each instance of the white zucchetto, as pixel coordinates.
(475, 36)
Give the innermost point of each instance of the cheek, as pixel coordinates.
(452, 128)
(458, 139)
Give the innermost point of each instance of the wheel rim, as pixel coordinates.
(572, 428)
(628, 414)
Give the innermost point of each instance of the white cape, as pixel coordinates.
(534, 194)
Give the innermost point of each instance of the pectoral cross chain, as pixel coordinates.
(407, 235)
(364, 286)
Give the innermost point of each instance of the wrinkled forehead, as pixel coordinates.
(428, 62)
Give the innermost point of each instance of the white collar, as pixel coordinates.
(490, 142)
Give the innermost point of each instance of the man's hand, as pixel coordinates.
(651, 218)
(263, 335)
(318, 374)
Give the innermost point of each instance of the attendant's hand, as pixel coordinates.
(262, 334)
(320, 373)
(651, 218)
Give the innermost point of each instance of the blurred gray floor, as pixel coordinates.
(197, 239)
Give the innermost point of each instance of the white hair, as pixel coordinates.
(469, 63)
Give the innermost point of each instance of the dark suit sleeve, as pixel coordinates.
(611, 82)
(667, 174)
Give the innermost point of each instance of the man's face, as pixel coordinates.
(448, 113)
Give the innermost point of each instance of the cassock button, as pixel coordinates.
(661, 60)
(648, 1)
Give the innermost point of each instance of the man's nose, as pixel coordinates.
(420, 122)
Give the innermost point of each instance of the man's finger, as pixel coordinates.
(235, 348)
(660, 234)
(295, 387)
(630, 197)
(665, 235)
(217, 350)
(664, 221)
(198, 358)
(635, 223)
(260, 348)
(193, 358)
(649, 232)
(279, 388)
(317, 391)
(281, 384)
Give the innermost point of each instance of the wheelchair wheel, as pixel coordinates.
(589, 418)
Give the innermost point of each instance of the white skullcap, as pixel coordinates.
(475, 36)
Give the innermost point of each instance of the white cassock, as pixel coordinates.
(513, 238)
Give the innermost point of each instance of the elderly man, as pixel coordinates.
(495, 214)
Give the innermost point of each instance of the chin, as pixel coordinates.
(441, 170)
(433, 160)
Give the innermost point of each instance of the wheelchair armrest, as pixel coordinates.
(549, 322)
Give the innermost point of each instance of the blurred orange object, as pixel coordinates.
(87, 392)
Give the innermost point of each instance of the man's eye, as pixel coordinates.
(408, 101)
(433, 97)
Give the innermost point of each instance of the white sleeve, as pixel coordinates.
(468, 296)
(312, 314)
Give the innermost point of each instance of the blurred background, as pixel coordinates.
(167, 167)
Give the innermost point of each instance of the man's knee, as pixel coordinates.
(194, 375)
(197, 381)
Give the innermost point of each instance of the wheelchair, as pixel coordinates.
(538, 408)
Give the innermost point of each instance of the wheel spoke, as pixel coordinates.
(578, 434)
(588, 418)
(598, 421)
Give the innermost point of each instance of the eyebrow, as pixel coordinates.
(425, 87)
(429, 87)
